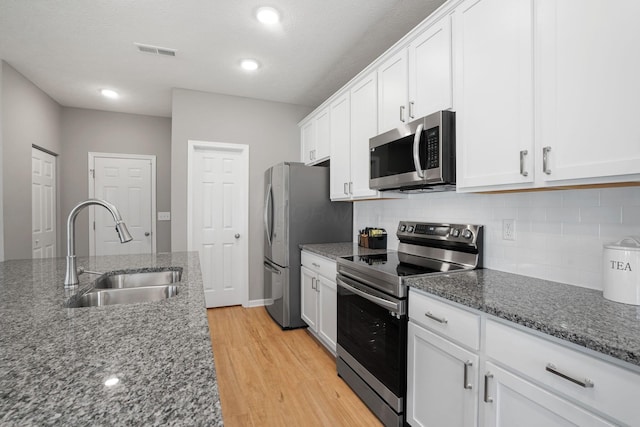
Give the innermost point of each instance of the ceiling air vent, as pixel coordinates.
(155, 50)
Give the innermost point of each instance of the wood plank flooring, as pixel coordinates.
(270, 377)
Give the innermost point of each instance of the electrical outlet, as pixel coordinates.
(508, 229)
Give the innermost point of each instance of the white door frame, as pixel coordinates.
(243, 149)
(92, 155)
(56, 197)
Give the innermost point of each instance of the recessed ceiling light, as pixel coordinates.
(249, 64)
(108, 93)
(111, 381)
(268, 15)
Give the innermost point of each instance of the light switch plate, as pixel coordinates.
(164, 216)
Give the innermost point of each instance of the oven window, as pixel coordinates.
(395, 158)
(374, 337)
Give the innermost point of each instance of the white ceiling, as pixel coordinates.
(73, 48)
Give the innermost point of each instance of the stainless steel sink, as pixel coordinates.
(132, 295)
(134, 280)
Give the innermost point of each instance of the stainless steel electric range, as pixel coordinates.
(372, 308)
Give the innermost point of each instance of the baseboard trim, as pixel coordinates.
(257, 302)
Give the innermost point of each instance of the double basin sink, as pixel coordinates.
(129, 288)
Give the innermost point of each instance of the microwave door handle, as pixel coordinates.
(416, 151)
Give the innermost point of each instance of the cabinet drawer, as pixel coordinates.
(319, 264)
(606, 387)
(452, 322)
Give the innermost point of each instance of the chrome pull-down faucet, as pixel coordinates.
(71, 276)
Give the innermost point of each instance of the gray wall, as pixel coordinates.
(269, 128)
(1, 213)
(106, 132)
(29, 116)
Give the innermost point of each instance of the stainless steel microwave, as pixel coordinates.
(418, 156)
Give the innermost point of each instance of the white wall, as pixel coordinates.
(86, 130)
(1, 172)
(29, 117)
(559, 234)
(269, 128)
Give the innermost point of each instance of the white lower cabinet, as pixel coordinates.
(319, 302)
(511, 400)
(442, 381)
(518, 377)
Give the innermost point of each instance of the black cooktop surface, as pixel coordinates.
(391, 263)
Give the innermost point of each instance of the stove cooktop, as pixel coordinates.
(390, 263)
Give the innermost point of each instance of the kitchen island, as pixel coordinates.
(55, 361)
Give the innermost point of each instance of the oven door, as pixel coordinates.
(372, 338)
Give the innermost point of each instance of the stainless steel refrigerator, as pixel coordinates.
(297, 210)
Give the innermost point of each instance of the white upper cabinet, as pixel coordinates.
(494, 92)
(430, 75)
(393, 83)
(364, 125)
(340, 111)
(315, 138)
(588, 67)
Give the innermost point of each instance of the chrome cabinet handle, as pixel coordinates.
(586, 383)
(545, 160)
(416, 151)
(345, 189)
(522, 154)
(237, 235)
(147, 234)
(351, 188)
(442, 320)
(411, 104)
(467, 385)
(487, 399)
(313, 283)
(315, 265)
(402, 113)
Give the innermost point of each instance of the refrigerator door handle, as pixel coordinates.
(267, 205)
(270, 268)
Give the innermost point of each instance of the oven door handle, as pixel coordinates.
(374, 299)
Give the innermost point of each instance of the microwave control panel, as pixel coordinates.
(433, 147)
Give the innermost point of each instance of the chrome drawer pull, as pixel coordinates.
(467, 385)
(487, 399)
(436, 318)
(586, 383)
(545, 160)
(315, 265)
(522, 171)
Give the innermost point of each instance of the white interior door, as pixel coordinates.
(43, 204)
(128, 184)
(218, 219)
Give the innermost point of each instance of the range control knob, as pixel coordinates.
(467, 234)
(403, 228)
(410, 229)
(455, 232)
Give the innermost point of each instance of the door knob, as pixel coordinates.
(146, 233)
(237, 236)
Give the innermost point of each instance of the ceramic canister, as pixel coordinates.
(621, 267)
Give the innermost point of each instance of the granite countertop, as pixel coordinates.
(335, 250)
(572, 313)
(54, 361)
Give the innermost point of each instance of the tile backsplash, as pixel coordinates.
(558, 234)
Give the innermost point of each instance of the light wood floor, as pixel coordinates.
(270, 377)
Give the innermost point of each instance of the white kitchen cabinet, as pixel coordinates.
(588, 89)
(319, 299)
(393, 83)
(315, 134)
(430, 73)
(511, 400)
(340, 173)
(442, 381)
(494, 92)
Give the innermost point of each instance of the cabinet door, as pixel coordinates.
(308, 137)
(340, 148)
(393, 92)
(589, 88)
(494, 92)
(509, 400)
(328, 311)
(364, 125)
(442, 381)
(430, 74)
(323, 136)
(309, 298)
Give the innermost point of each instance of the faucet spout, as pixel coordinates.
(71, 275)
